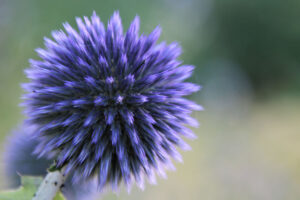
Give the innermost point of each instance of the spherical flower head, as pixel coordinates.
(109, 104)
(20, 160)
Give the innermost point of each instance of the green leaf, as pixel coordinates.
(59, 196)
(29, 187)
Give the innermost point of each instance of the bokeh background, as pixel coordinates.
(247, 55)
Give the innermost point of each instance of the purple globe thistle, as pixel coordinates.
(109, 104)
(19, 159)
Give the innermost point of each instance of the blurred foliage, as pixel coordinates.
(262, 37)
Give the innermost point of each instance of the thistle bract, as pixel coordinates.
(110, 104)
(20, 160)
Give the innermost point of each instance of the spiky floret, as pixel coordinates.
(20, 160)
(110, 104)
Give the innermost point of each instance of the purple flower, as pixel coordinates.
(19, 159)
(110, 104)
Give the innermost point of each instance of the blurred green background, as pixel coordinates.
(247, 58)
